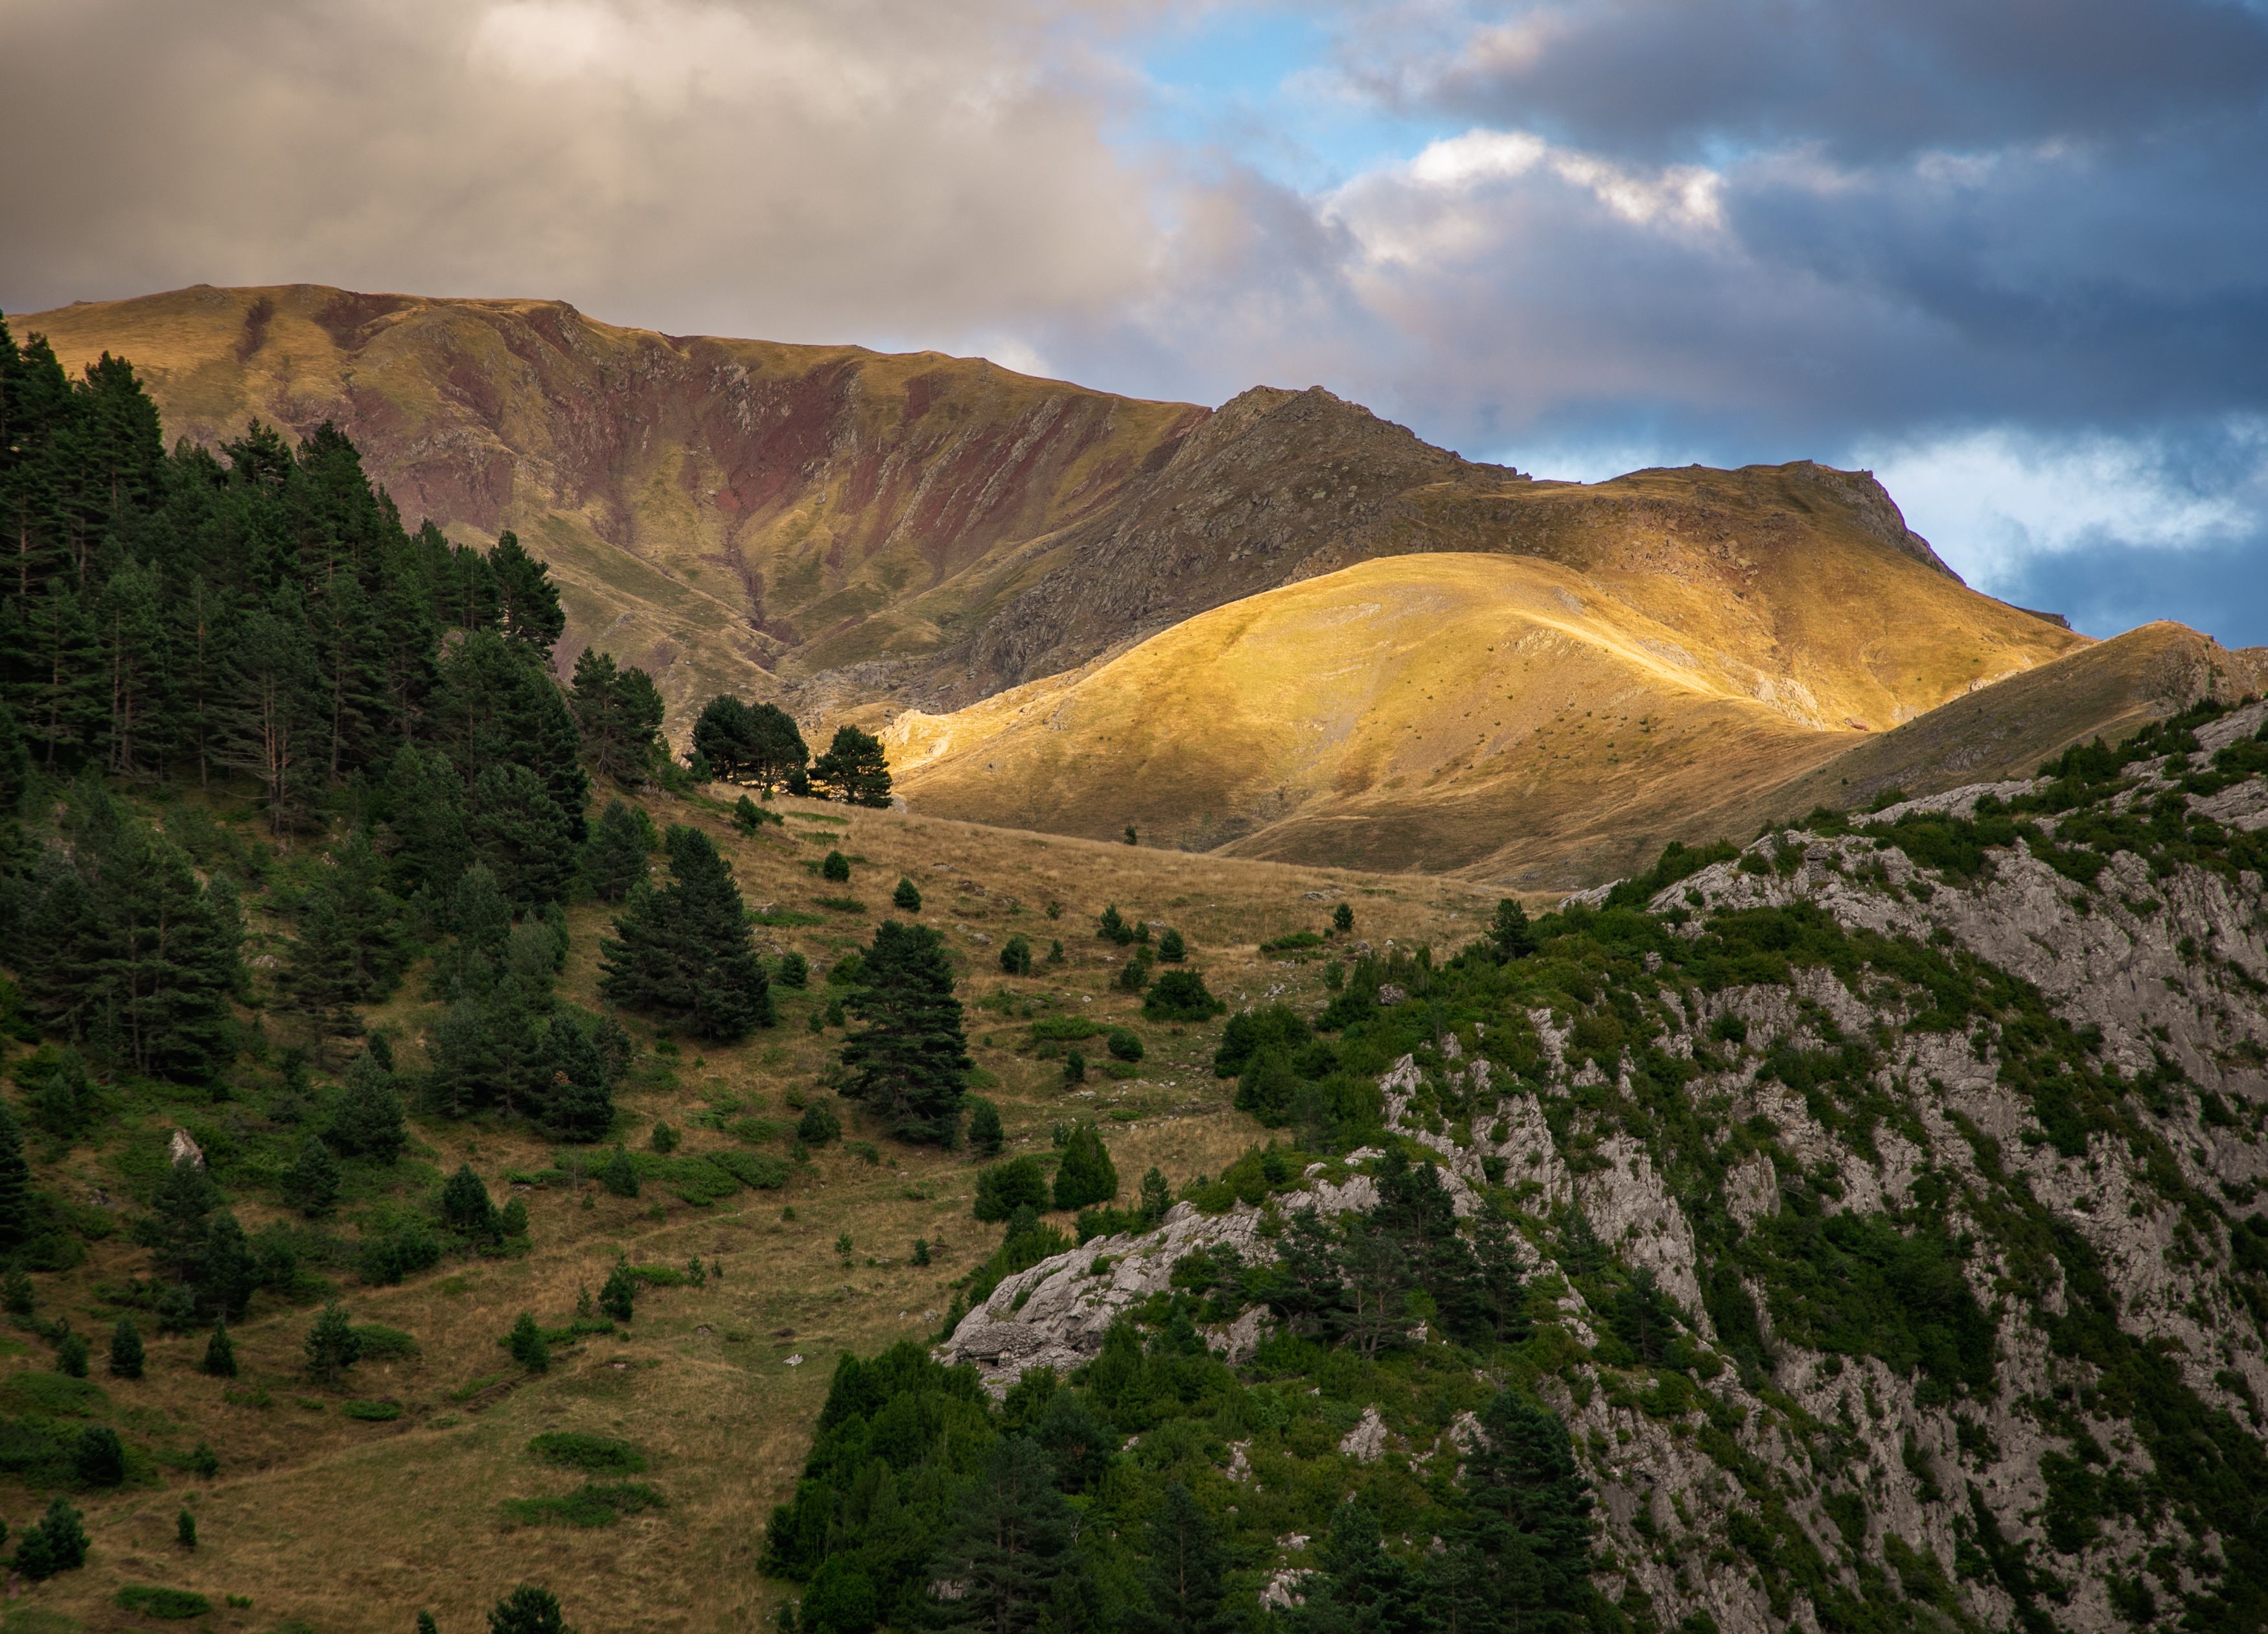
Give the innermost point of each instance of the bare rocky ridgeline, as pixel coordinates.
(2034, 1497)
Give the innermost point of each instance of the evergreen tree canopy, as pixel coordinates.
(621, 841)
(15, 1183)
(366, 1113)
(684, 951)
(619, 714)
(744, 745)
(527, 1610)
(1086, 1175)
(909, 1063)
(853, 770)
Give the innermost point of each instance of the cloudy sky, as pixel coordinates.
(2011, 255)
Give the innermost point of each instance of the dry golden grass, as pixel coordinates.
(347, 1525)
(1504, 716)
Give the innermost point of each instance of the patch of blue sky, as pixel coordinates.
(1261, 84)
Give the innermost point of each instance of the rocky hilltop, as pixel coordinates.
(1932, 1137)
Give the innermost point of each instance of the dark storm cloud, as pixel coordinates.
(1868, 79)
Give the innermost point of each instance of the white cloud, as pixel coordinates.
(1996, 501)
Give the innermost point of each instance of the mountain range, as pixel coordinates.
(1286, 627)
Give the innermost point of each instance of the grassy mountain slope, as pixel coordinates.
(834, 526)
(328, 1522)
(2109, 690)
(715, 510)
(1516, 717)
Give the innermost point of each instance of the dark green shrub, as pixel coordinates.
(794, 971)
(818, 1125)
(1005, 1188)
(167, 1605)
(1250, 1031)
(1171, 948)
(1112, 927)
(835, 868)
(1016, 956)
(618, 1174)
(665, 1138)
(1074, 1070)
(125, 1350)
(71, 1356)
(403, 1252)
(1124, 1044)
(907, 897)
(527, 1610)
(220, 1353)
(100, 1459)
(1180, 995)
(598, 1455)
(371, 1412)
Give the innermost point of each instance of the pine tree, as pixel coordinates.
(909, 1064)
(126, 1350)
(529, 1346)
(853, 770)
(100, 1459)
(525, 840)
(425, 1623)
(1171, 948)
(834, 867)
(985, 1134)
(15, 1183)
(1016, 956)
(366, 1114)
(618, 1295)
(1510, 933)
(312, 1183)
(1012, 1543)
(333, 1346)
(1184, 1568)
(685, 951)
(175, 1231)
(185, 1531)
(907, 898)
(424, 803)
(1342, 919)
(497, 706)
(57, 1543)
(529, 602)
(616, 856)
(724, 738)
(71, 1356)
(1522, 1558)
(1087, 1175)
(618, 1174)
(350, 946)
(465, 1206)
(220, 1353)
(577, 1102)
(527, 1610)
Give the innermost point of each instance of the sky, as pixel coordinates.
(2011, 255)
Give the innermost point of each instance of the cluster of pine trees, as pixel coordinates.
(924, 1504)
(738, 742)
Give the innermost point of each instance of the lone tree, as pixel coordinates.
(126, 1350)
(333, 1345)
(1087, 1175)
(744, 744)
(684, 951)
(909, 1064)
(853, 770)
(907, 897)
(527, 1610)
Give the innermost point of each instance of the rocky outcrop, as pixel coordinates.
(1898, 1490)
